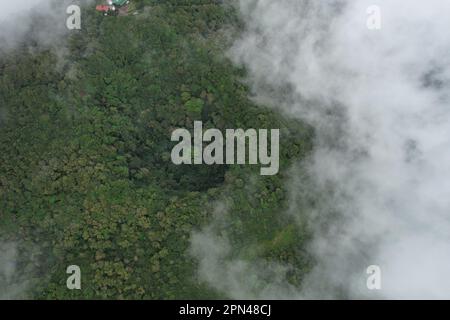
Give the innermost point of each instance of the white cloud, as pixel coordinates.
(12, 284)
(42, 21)
(379, 101)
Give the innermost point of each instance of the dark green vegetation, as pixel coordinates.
(85, 170)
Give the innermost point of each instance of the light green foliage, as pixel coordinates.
(194, 105)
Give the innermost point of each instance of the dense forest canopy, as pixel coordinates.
(85, 170)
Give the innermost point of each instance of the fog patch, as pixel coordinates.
(13, 285)
(378, 181)
(40, 23)
(231, 271)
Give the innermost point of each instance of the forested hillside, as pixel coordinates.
(85, 170)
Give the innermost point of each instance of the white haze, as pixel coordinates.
(40, 21)
(238, 277)
(379, 102)
(12, 285)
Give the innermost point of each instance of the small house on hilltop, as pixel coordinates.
(114, 7)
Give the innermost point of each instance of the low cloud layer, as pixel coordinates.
(379, 101)
(41, 22)
(229, 273)
(12, 284)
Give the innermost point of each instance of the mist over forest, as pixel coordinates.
(86, 177)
